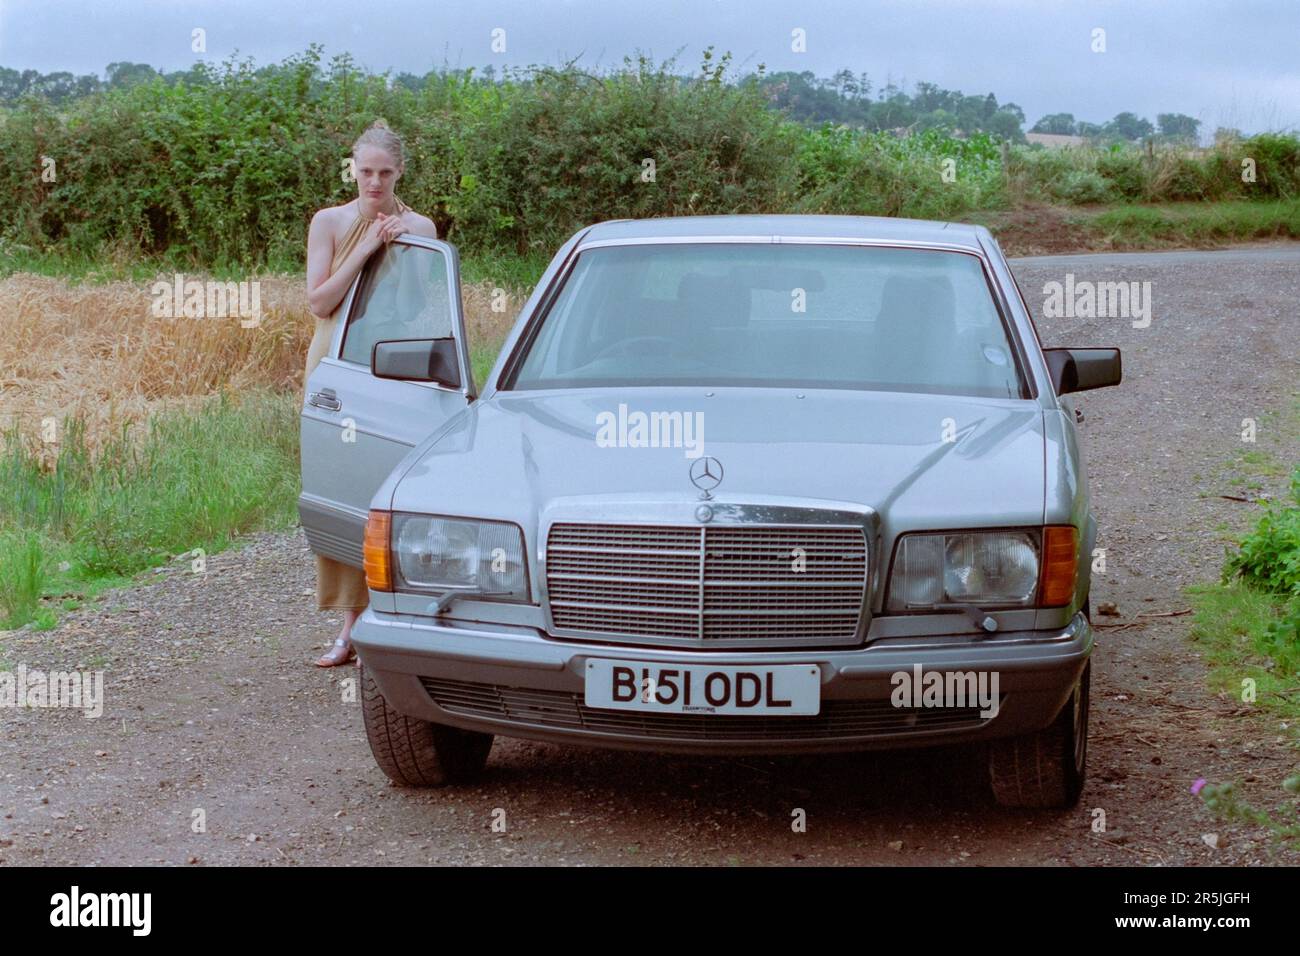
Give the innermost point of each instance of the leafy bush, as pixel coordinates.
(1126, 171)
(229, 170)
(221, 167)
(1221, 171)
(540, 158)
(1277, 163)
(1183, 179)
(1084, 186)
(846, 171)
(1269, 557)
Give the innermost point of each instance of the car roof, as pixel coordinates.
(876, 228)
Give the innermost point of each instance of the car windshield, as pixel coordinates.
(774, 314)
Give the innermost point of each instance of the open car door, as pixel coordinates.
(356, 427)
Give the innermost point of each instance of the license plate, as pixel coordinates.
(703, 688)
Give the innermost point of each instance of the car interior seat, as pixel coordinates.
(917, 328)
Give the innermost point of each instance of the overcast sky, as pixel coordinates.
(1227, 63)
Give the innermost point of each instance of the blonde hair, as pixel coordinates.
(381, 135)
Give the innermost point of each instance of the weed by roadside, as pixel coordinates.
(1248, 626)
(1186, 224)
(195, 480)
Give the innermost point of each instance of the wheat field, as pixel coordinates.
(98, 352)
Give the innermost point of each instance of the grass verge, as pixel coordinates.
(507, 270)
(1192, 224)
(1248, 628)
(195, 480)
(1244, 635)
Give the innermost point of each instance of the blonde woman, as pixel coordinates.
(339, 242)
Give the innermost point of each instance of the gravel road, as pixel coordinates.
(211, 704)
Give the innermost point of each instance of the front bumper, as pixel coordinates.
(516, 682)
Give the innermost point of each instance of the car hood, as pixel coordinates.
(920, 461)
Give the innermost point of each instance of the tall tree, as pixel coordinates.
(1129, 126)
(1006, 124)
(127, 74)
(1177, 126)
(1062, 124)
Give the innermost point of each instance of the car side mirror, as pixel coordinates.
(1077, 370)
(417, 360)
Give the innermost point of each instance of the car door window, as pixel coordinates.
(356, 427)
(404, 296)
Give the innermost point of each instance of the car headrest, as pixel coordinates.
(921, 305)
(713, 301)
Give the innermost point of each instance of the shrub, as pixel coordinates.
(1083, 186)
(847, 171)
(1269, 557)
(1125, 169)
(1277, 163)
(227, 169)
(222, 168)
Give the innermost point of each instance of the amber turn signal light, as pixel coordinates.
(1060, 565)
(375, 554)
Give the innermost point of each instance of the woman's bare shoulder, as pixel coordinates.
(419, 224)
(336, 218)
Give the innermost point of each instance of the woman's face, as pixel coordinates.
(377, 173)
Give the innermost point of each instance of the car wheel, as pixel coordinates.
(419, 753)
(1046, 768)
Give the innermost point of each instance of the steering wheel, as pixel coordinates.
(655, 345)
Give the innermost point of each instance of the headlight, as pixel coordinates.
(443, 554)
(983, 568)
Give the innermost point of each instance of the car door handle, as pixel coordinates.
(325, 398)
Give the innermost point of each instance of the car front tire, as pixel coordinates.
(1046, 768)
(419, 753)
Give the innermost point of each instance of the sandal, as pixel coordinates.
(341, 653)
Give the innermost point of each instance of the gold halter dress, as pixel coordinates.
(339, 586)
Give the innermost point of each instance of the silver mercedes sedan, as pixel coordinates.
(736, 484)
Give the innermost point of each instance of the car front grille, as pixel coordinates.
(759, 585)
(566, 711)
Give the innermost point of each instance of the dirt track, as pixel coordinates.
(211, 704)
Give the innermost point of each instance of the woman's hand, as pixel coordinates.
(383, 230)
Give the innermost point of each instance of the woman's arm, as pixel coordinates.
(326, 291)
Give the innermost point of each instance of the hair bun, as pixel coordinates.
(380, 134)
